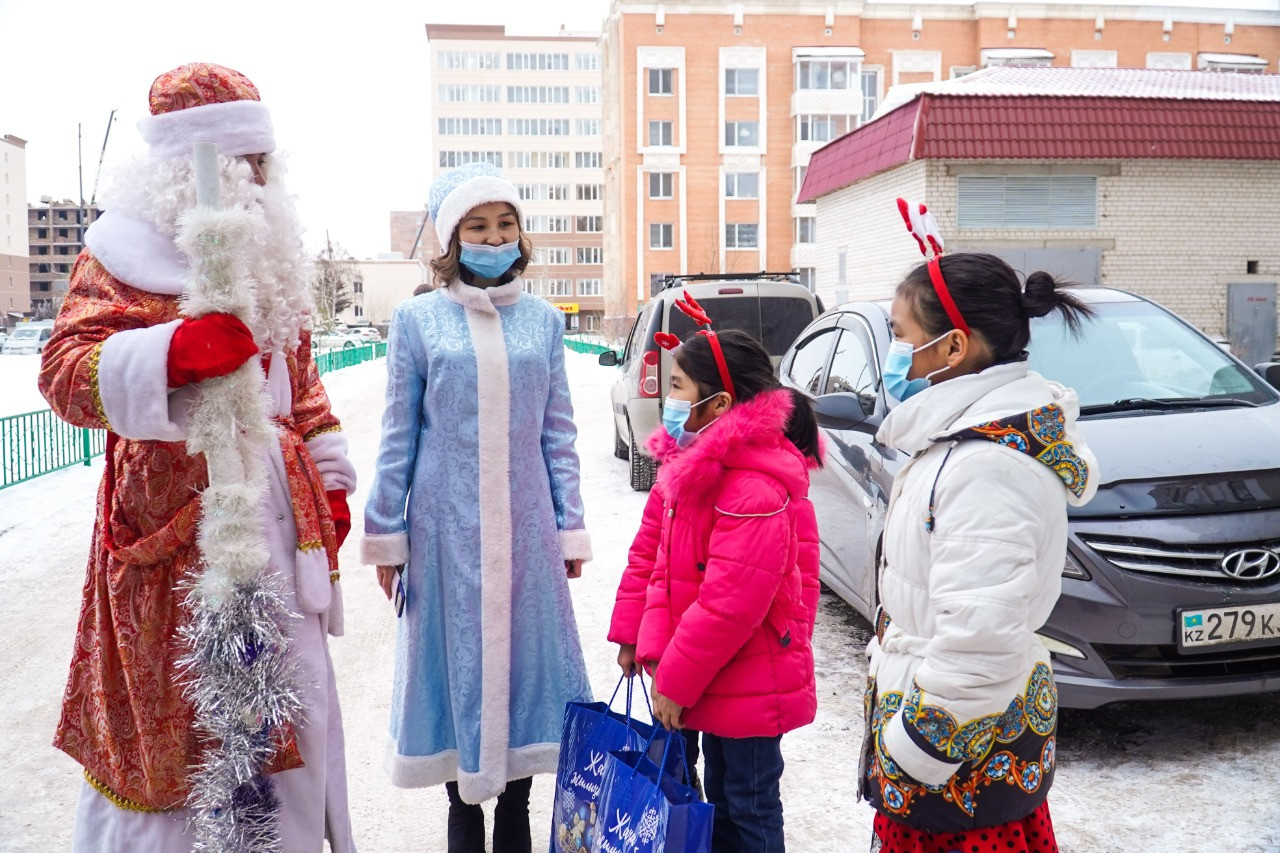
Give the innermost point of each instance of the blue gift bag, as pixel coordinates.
(644, 809)
(591, 731)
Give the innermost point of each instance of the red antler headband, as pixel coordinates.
(668, 341)
(924, 228)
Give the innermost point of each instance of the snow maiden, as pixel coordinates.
(475, 520)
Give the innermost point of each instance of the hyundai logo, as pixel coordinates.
(1250, 564)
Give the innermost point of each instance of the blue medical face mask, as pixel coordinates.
(897, 364)
(675, 413)
(489, 261)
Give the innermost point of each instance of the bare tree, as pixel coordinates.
(335, 270)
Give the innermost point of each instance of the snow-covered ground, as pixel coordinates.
(1137, 778)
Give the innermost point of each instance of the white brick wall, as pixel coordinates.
(1176, 231)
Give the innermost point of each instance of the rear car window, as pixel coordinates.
(775, 321)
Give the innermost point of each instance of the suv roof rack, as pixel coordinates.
(677, 280)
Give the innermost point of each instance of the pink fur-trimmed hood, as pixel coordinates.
(751, 435)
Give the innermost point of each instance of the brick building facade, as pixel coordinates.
(725, 103)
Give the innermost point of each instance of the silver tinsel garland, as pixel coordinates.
(239, 673)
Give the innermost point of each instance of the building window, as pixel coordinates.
(588, 192)
(588, 287)
(559, 287)
(804, 275)
(537, 62)
(741, 235)
(587, 94)
(806, 229)
(555, 256)
(450, 60)
(742, 81)
(588, 159)
(538, 94)
(823, 128)
(801, 171)
(538, 159)
(589, 224)
(660, 235)
(660, 80)
(470, 126)
(543, 192)
(587, 126)
(661, 184)
(358, 309)
(538, 126)
(1027, 201)
(587, 61)
(453, 159)
(870, 93)
(543, 224)
(745, 134)
(459, 94)
(826, 73)
(741, 184)
(590, 255)
(660, 134)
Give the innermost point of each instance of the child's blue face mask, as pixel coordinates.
(897, 364)
(489, 261)
(675, 413)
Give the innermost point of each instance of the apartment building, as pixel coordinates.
(55, 236)
(532, 107)
(15, 293)
(712, 109)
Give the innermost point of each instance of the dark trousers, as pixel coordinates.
(510, 821)
(742, 777)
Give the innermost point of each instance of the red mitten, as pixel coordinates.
(341, 513)
(209, 346)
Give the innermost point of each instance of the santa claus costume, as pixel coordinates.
(124, 358)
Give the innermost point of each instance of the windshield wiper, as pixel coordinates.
(1130, 404)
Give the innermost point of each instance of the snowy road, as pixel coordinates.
(1137, 778)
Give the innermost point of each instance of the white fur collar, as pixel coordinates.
(137, 253)
(484, 299)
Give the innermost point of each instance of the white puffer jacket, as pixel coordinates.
(974, 546)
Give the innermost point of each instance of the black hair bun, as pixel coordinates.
(1040, 296)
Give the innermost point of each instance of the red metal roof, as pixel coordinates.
(1040, 127)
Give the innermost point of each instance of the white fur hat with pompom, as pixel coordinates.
(456, 192)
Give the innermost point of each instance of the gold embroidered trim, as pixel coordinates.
(313, 545)
(94, 355)
(322, 431)
(334, 577)
(117, 800)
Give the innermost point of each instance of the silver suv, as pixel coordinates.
(772, 307)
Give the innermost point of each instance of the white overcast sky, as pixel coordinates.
(346, 82)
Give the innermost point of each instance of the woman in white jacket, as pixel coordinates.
(962, 709)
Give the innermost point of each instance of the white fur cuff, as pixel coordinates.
(919, 765)
(133, 382)
(384, 549)
(576, 545)
(237, 127)
(329, 452)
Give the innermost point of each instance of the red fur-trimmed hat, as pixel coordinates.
(204, 102)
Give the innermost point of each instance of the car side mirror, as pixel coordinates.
(608, 358)
(845, 410)
(1270, 372)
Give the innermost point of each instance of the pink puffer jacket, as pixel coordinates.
(721, 586)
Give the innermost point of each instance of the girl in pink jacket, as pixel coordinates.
(721, 589)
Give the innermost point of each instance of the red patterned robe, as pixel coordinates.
(124, 716)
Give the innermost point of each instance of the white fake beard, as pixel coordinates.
(158, 191)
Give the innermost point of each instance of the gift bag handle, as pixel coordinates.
(672, 734)
(630, 680)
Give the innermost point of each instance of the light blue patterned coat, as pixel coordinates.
(476, 492)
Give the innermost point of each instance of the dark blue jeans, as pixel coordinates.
(742, 777)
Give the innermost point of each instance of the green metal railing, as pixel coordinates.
(38, 443)
(586, 344)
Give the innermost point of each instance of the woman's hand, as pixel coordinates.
(387, 577)
(573, 568)
(666, 712)
(627, 659)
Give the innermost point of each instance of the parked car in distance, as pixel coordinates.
(1171, 583)
(368, 334)
(336, 339)
(770, 306)
(28, 338)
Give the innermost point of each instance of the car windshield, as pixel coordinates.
(1133, 351)
(22, 334)
(775, 321)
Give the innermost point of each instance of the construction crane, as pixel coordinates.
(110, 121)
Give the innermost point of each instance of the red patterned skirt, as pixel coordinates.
(1032, 834)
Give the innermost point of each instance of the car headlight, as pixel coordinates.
(1072, 568)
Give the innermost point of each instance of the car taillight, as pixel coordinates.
(649, 375)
